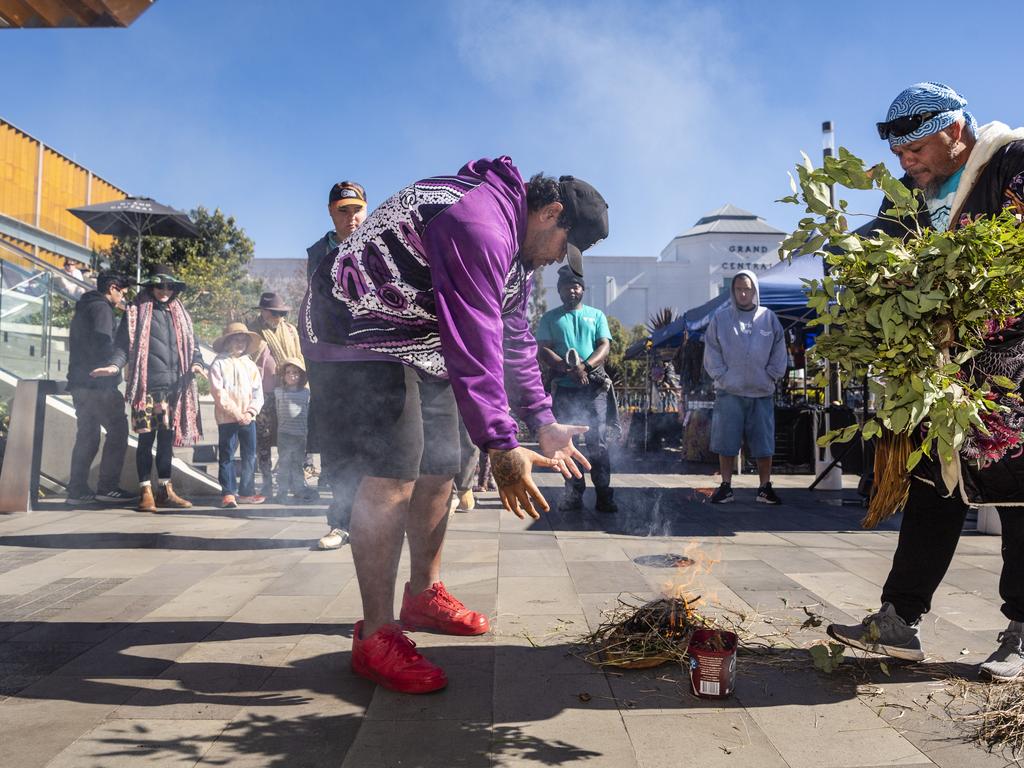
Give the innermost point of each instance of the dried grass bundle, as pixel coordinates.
(637, 637)
(892, 480)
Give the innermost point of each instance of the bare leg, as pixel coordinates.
(764, 469)
(426, 526)
(379, 515)
(725, 465)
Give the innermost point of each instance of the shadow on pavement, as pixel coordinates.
(115, 540)
(687, 512)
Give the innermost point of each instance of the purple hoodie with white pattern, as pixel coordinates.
(433, 279)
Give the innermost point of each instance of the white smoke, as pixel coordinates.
(638, 98)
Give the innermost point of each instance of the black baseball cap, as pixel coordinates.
(588, 212)
(349, 191)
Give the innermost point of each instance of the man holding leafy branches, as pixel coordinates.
(928, 299)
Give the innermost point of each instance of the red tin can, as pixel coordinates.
(713, 671)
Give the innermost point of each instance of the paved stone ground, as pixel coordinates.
(221, 638)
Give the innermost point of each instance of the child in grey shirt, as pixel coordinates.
(292, 413)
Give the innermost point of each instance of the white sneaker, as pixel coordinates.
(337, 538)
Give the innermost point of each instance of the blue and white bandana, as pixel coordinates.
(929, 97)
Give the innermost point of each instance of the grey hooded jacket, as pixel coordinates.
(745, 350)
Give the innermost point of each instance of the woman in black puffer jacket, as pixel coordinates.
(157, 342)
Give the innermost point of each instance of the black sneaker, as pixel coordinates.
(571, 501)
(723, 495)
(117, 495)
(78, 499)
(766, 495)
(606, 503)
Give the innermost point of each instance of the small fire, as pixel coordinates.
(694, 564)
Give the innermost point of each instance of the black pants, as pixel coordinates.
(587, 405)
(928, 537)
(95, 408)
(164, 454)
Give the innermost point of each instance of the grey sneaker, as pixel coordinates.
(336, 539)
(884, 632)
(1007, 662)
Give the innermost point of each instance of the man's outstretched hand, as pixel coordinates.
(556, 443)
(513, 474)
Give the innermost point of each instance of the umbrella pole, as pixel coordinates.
(138, 257)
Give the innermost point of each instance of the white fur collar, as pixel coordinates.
(991, 137)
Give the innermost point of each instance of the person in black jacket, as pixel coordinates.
(346, 205)
(158, 344)
(98, 403)
(965, 171)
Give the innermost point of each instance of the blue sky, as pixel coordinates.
(669, 108)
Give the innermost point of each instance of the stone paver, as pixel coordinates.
(222, 638)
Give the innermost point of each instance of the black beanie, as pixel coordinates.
(566, 275)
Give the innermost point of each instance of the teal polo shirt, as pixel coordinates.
(580, 329)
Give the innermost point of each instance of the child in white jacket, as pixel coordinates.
(237, 390)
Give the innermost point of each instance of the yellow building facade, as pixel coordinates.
(37, 186)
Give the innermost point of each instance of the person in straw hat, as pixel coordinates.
(281, 342)
(237, 390)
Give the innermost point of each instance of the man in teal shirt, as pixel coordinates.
(573, 342)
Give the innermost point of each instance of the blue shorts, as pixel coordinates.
(737, 419)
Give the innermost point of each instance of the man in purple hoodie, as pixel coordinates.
(417, 317)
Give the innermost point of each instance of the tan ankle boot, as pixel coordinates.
(146, 501)
(168, 499)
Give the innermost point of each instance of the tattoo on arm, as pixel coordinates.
(507, 467)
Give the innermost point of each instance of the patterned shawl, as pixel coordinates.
(185, 414)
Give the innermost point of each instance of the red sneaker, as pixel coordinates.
(389, 658)
(257, 499)
(436, 609)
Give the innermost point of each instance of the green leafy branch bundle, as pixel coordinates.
(909, 312)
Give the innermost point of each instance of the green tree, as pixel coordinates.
(215, 266)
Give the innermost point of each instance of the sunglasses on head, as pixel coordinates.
(901, 126)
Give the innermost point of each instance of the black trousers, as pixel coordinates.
(928, 537)
(164, 439)
(587, 405)
(95, 408)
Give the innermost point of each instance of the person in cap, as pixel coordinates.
(281, 342)
(574, 344)
(97, 401)
(745, 356)
(965, 171)
(157, 342)
(417, 317)
(292, 396)
(237, 391)
(346, 205)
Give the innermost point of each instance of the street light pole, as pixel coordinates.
(829, 478)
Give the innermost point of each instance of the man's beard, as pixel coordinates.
(940, 177)
(571, 302)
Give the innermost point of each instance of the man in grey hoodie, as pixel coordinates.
(745, 355)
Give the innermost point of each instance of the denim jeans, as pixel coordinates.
(232, 435)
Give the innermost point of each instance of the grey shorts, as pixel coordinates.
(737, 419)
(386, 420)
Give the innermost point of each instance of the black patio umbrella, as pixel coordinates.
(139, 217)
